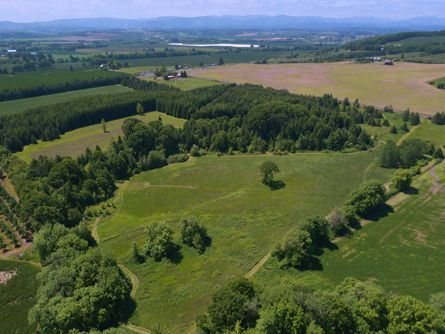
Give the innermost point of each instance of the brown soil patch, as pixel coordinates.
(5, 276)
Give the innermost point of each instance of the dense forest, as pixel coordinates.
(221, 118)
(429, 42)
(66, 86)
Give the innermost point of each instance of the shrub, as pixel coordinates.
(295, 248)
(159, 242)
(338, 223)
(177, 158)
(194, 234)
(318, 228)
(367, 198)
(401, 180)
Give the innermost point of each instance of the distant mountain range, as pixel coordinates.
(307, 23)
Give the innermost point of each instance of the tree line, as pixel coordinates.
(353, 307)
(245, 118)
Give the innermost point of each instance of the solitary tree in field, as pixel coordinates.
(140, 109)
(104, 125)
(267, 170)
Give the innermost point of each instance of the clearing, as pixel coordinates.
(404, 85)
(245, 220)
(74, 143)
(15, 106)
(403, 251)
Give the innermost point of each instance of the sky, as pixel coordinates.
(43, 10)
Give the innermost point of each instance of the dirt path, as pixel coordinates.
(405, 137)
(17, 251)
(436, 186)
(9, 187)
(133, 278)
(137, 329)
(258, 266)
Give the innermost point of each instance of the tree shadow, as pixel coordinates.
(311, 263)
(276, 185)
(381, 212)
(126, 310)
(174, 254)
(411, 191)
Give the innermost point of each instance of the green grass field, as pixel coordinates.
(15, 106)
(188, 83)
(430, 132)
(17, 297)
(403, 251)
(404, 85)
(437, 82)
(53, 77)
(244, 218)
(74, 143)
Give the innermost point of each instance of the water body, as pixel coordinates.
(221, 45)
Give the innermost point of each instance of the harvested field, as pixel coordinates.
(404, 85)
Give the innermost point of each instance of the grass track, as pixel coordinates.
(244, 218)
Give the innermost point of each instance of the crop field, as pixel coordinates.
(244, 218)
(74, 143)
(17, 296)
(34, 79)
(395, 252)
(404, 85)
(15, 106)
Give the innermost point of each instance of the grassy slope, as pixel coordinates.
(75, 142)
(430, 132)
(404, 85)
(403, 252)
(187, 84)
(17, 297)
(244, 218)
(15, 106)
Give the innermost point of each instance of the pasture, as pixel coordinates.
(186, 83)
(15, 106)
(244, 218)
(403, 251)
(430, 132)
(404, 85)
(17, 296)
(74, 143)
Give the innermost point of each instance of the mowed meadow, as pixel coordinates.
(404, 85)
(74, 143)
(403, 252)
(244, 218)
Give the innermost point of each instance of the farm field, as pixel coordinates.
(403, 251)
(404, 85)
(15, 106)
(54, 77)
(17, 296)
(74, 143)
(244, 218)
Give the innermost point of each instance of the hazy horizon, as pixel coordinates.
(31, 11)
